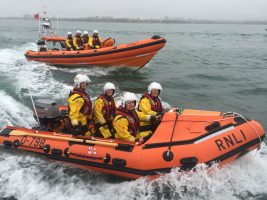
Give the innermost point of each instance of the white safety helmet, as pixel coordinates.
(80, 78)
(85, 32)
(109, 86)
(155, 86)
(69, 33)
(128, 96)
(78, 31)
(95, 31)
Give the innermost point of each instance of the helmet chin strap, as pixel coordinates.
(109, 95)
(134, 105)
(79, 86)
(154, 96)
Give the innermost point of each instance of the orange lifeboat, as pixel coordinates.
(182, 140)
(135, 54)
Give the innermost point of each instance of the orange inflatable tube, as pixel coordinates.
(181, 140)
(135, 54)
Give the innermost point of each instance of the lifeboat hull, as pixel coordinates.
(135, 54)
(181, 141)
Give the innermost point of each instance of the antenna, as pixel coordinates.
(39, 24)
(45, 11)
(57, 26)
(34, 108)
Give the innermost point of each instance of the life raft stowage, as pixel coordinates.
(108, 42)
(135, 54)
(181, 140)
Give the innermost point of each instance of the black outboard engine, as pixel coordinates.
(41, 45)
(51, 118)
(47, 110)
(40, 42)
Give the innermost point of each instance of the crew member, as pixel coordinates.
(80, 106)
(69, 42)
(77, 41)
(95, 41)
(104, 112)
(85, 39)
(127, 121)
(150, 104)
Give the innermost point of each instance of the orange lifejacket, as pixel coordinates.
(155, 102)
(109, 108)
(87, 107)
(132, 118)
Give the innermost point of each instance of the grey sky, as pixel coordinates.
(193, 9)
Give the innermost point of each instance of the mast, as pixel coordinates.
(45, 26)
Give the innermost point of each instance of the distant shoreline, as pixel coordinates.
(137, 20)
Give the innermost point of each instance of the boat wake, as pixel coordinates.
(28, 177)
(91, 71)
(22, 74)
(13, 112)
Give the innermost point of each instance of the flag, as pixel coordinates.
(36, 16)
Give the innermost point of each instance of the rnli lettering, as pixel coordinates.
(230, 140)
(91, 150)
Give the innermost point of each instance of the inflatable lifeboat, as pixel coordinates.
(182, 140)
(135, 54)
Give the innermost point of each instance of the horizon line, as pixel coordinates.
(142, 20)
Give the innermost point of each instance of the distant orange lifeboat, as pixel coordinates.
(181, 140)
(135, 54)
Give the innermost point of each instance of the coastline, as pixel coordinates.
(138, 20)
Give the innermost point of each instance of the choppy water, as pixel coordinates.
(211, 67)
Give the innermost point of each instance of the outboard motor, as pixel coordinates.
(47, 111)
(51, 118)
(41, 45)
(40, 42)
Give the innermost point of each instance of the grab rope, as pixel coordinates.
(170, 144)
(235, 114)
(251, 127)
(227, 116)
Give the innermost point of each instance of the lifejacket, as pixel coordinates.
(87, 106)
(96, 41)
(154, 102)
(79, 41)
(85, 39)
(132, 118)
(109, 108)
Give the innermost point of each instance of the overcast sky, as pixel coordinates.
(188, 9)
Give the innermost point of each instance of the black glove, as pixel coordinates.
(153, 118)
(110, 124)
(160, 113)
(139, 141)
(159, 116)
(142, 140)
(111, 128)
(76, 130)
